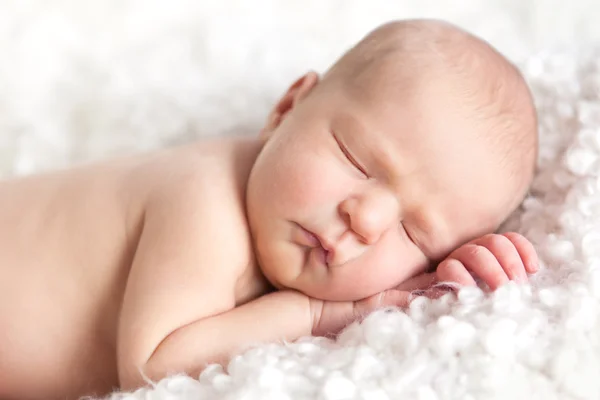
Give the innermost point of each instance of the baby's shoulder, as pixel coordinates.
(204, 178)
(199, 193)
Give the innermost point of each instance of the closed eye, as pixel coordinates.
(406, 231)
(410, 235)
(350, 158)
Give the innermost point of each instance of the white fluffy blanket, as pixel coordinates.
(85, 80)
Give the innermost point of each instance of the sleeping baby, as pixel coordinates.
(386, 175)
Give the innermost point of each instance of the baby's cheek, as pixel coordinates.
(399, 260)
(311, 182)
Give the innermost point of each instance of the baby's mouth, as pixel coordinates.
(327, 255)
(307, 238)
(320, 254)
(315, 244)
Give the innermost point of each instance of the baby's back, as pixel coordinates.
(66, 241)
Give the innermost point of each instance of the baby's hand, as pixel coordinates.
(330, 317)
(494, 258)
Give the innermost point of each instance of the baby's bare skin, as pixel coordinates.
(83, 307)
(148, 266)
(67, 241)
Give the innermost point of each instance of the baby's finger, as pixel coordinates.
(452, 270)
(418, 282)
(482, 263)
(526, 251)
(507, 255)
(395, 298)
(435, 292)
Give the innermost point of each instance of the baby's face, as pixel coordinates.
(352, 195)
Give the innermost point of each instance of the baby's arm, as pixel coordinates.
(283, 315)
(178, 310)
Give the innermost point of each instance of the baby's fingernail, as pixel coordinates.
(534, 266)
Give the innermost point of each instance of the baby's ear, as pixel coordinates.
(298, 91)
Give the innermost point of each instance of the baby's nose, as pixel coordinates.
(370, 215)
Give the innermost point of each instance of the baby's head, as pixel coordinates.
(418, 139)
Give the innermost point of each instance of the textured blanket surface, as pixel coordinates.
(81, 81)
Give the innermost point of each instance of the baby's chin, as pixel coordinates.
(274, 263)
